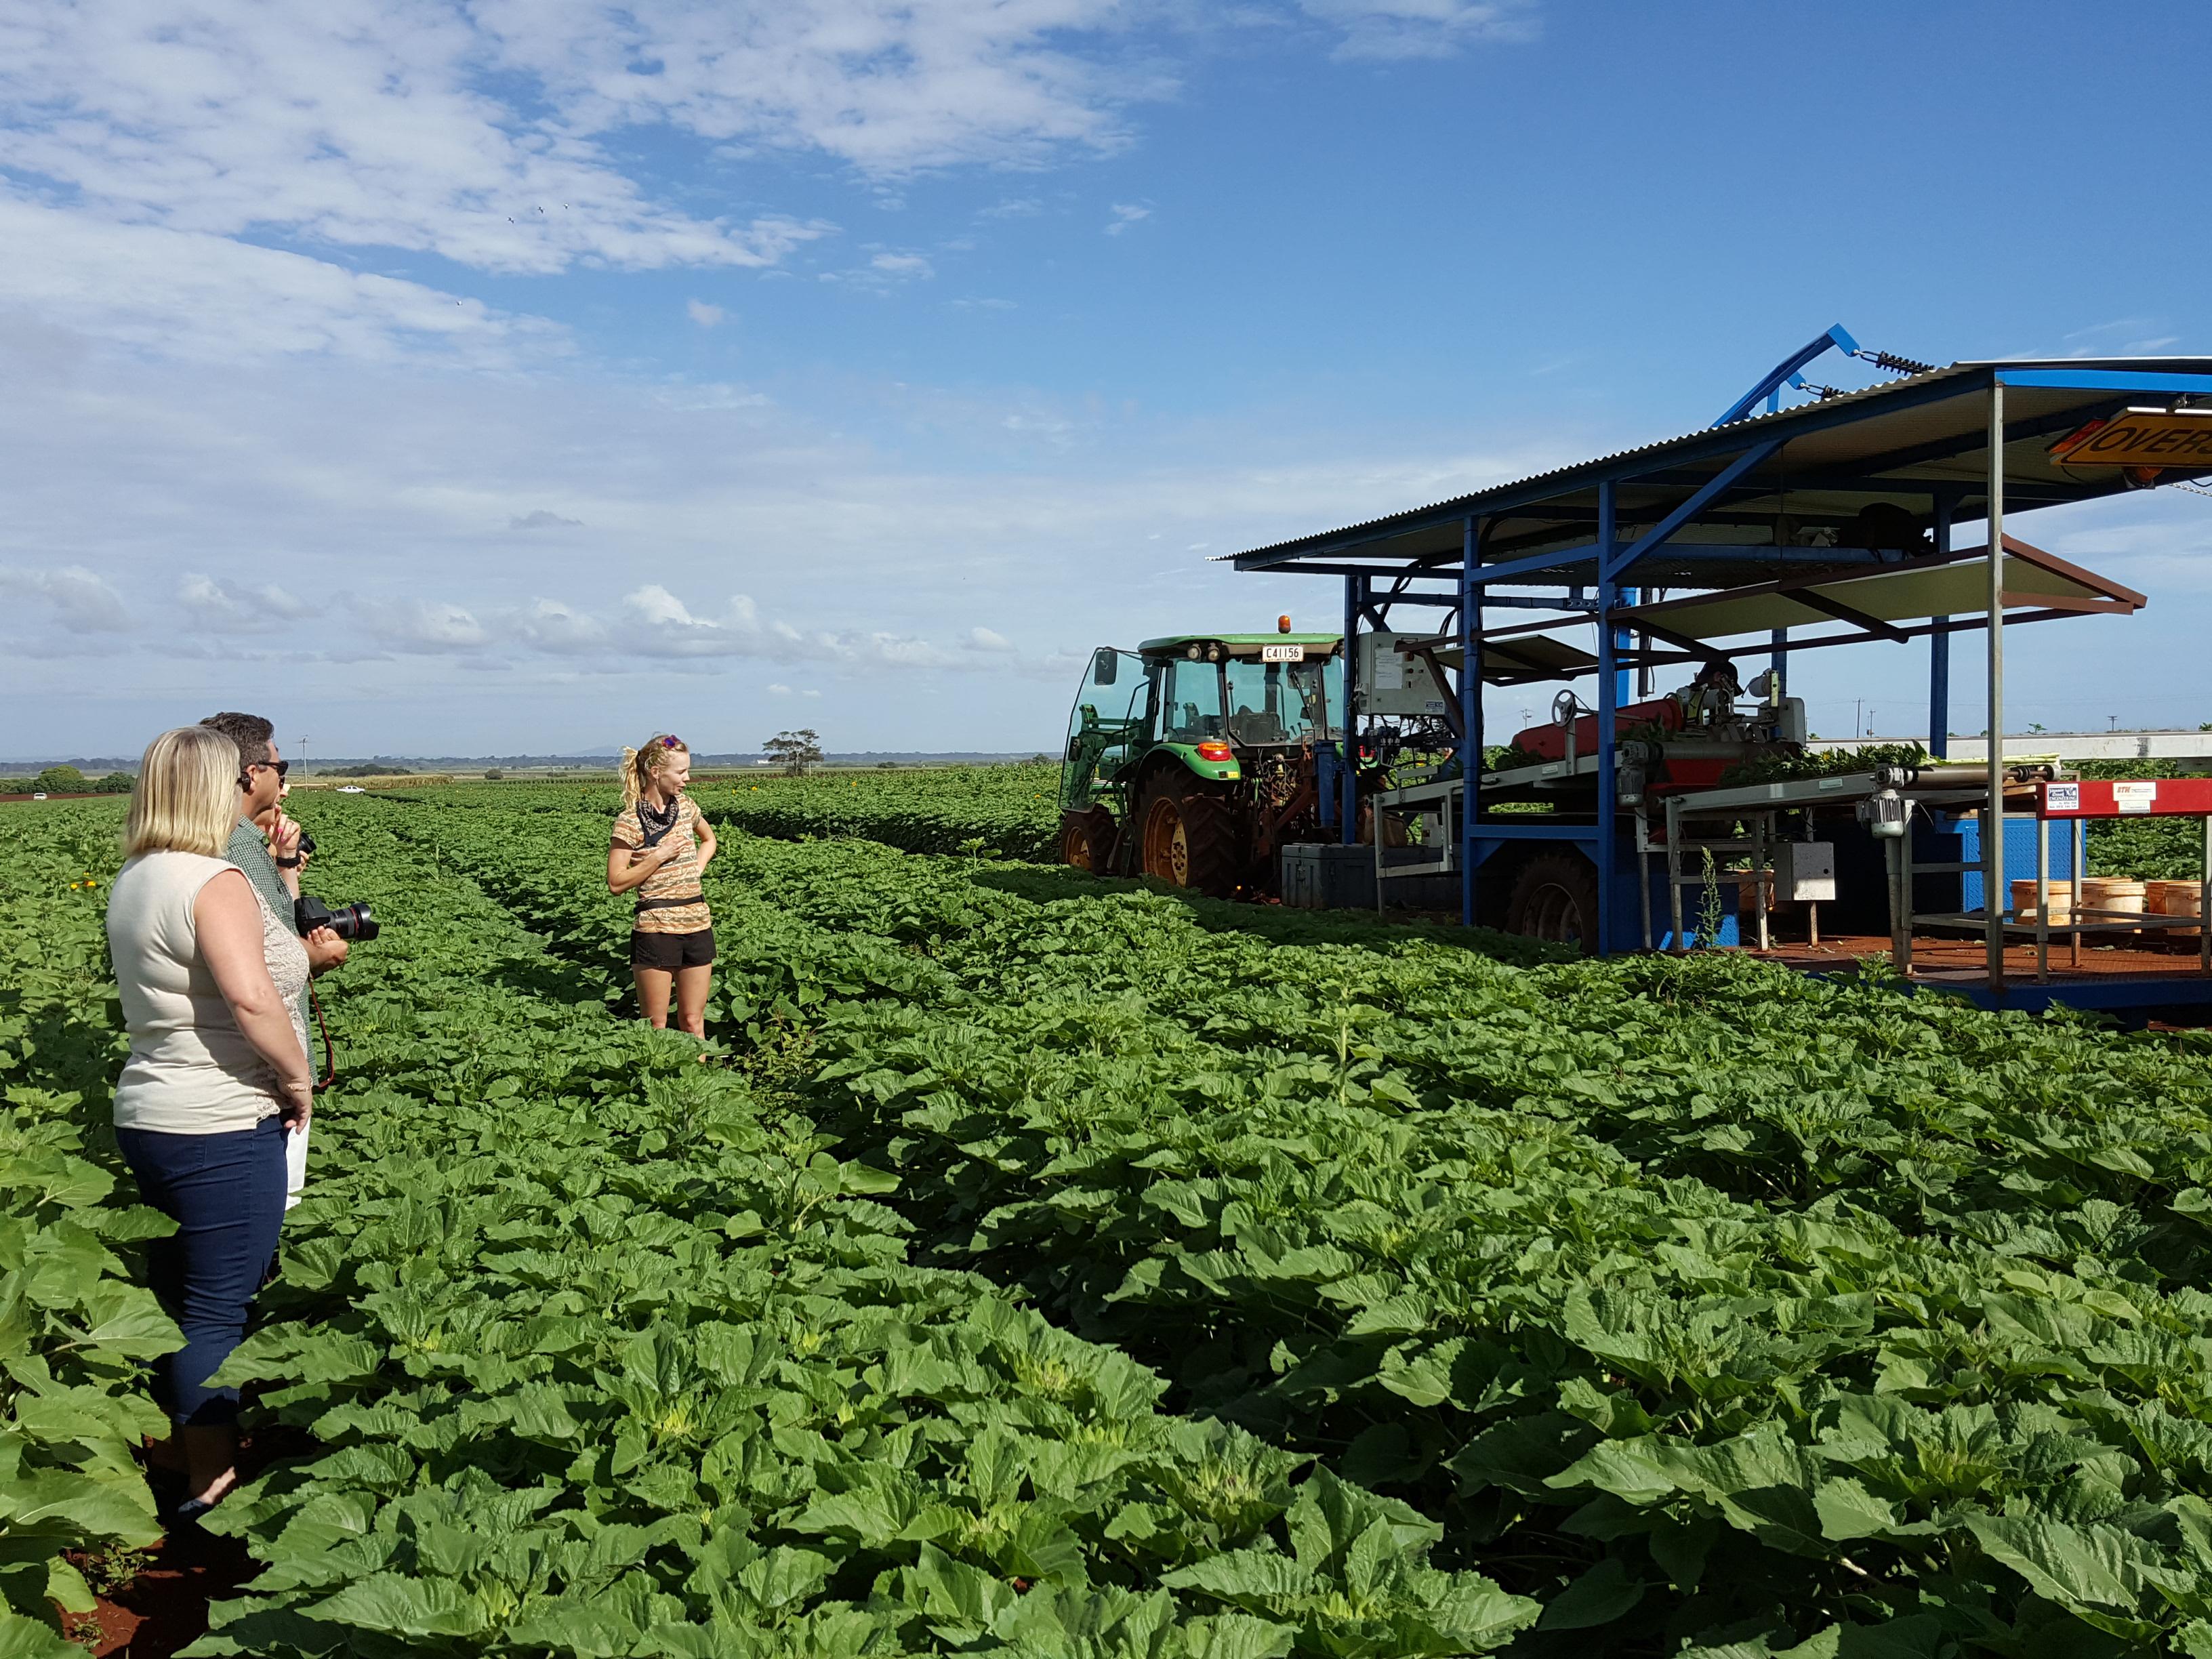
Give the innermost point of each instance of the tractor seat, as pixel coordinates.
(1256, 726)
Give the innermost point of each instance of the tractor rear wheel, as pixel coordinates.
(1086, 840)
(1555, 899)
(1187, 838)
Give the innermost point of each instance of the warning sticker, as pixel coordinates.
(2179, 438)
(2062, 797)
(2134, 797)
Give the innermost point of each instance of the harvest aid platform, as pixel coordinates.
(1772, 532)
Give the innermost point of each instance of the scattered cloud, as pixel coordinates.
(983, 305)
(225, 607)
(543, 520)
(778, 690)
(1127, 213)
(902, 265)
(81, 600)
(705, 315)
(990, 640)
(1389, 29)
(418, 624)
(351, 124)
(1014, 207)
(195, 294)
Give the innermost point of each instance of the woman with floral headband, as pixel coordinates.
(662, 846)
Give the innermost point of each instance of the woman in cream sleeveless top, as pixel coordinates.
(208, 977)
(191, 1070)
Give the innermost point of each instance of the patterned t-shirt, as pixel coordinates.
(671, 901)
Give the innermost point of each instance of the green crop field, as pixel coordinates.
(1052, 1266)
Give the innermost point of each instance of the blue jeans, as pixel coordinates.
(226, 1194)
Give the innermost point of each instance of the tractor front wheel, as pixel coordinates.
(1187, 839)
(1086, 840)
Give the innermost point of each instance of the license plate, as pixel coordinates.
(1282, 653)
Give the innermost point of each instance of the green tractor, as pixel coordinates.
(1193, 759)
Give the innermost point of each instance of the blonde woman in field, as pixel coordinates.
(208, 974)
(662, 846)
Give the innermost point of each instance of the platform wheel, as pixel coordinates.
(1555, 899)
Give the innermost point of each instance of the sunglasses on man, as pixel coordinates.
(280, 767)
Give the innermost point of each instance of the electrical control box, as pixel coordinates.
(1805, 872)
(1393, 685)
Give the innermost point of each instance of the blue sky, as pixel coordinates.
(446, 378)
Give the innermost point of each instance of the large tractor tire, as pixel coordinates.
(1555, 899)
(1187, 838)
(1086, 840)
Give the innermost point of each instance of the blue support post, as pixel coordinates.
(1777, 660)
(1623, 688)
(1470, 717)
(1608, 702)
(1347, 811)
(1939, 651)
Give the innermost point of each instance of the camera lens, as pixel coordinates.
(353, 921)
(307, 842)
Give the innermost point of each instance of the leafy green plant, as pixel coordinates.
(1058, 1267)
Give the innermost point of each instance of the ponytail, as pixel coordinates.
(638, 765)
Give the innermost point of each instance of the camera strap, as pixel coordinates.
(330, 1049)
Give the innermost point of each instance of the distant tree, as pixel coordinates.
(493, 774)
(60, 780)
(115, 783)
(797, 749)
(887, 766)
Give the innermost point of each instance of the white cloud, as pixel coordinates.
(1389, 29)
(983, 305)
(889, 88)
(548, 625)
(1127, 213)
(543, 519)
(191, 294)
(700, 312)
(225, 607)
(419, 624)
(81, 600)
(350, 123)
(1013, 207)
(986, 639)
(778, 690)
(902, 265)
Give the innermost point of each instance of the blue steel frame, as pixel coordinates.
(1615, 563)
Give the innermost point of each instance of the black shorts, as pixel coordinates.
(670, 951)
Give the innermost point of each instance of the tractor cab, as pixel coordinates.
(1207, 738)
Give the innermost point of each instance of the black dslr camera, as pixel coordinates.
(347, 921)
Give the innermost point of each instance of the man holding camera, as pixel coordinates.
(272, 865)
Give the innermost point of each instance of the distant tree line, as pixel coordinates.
(68, 780)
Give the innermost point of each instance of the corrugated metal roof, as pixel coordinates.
(1867, 426)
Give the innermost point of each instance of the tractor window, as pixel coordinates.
(1276, 702)
(1190, 702)
(1109, 714)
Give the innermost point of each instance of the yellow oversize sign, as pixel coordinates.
(2182, 440)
